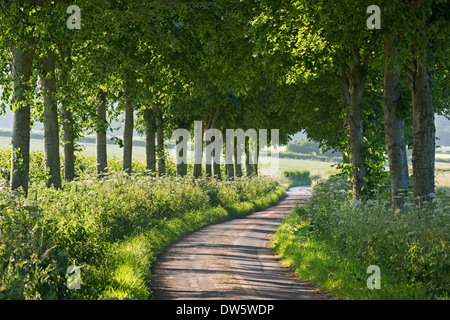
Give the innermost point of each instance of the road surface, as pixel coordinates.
(232, 260)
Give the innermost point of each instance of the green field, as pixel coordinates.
(89, 148)
(315, 167)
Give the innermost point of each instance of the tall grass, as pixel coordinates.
(333, 239)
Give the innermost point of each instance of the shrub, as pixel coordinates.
(298, 175)
(303, 146)
(410, 247)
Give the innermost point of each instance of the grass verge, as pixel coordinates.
(333, 240)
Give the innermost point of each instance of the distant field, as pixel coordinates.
(443, 180)
(443, 155)
(315, 167)
(89, 148)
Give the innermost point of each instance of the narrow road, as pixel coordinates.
(232, 260)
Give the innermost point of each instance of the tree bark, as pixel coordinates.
(150, 143)
(229, 163)
(255, 166)
(238, 166)
(128, 136)
(68, 133)
(20, 155)
(344, 90)
(423, 156)
(248, 166)
(51, 127)
(394, 127)
(198, 149)
(230, 170)
(69, 147)
(208, 164)
(181, 167)
(356, 114)
(102, 125)
(197, 173)
(216, 166)
(160, 143)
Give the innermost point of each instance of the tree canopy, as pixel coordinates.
(311, 66)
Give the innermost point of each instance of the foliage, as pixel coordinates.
(307, 146)
(333, 239)
(303, 146)
(298, 176)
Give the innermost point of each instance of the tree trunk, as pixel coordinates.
(394, 127)
(181, 167)
(150, 143)
(213, 169)
(423, 156)
(208, 164)
(198, 148)
(68, 132)
(197, 170)
(229, 167)
(20, 156)
(230, 171)
(237, 166)
(216, 166)
(248, 165)
(343, 83)
(160, 143)
(102, 125)
(255, 166)
(356, 113)
(69, 147)
(51, 127)
(128, 136)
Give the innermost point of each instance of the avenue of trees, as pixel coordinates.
(311, 65)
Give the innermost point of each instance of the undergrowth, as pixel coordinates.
(112, 229)
(334, 239)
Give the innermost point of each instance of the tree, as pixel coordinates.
(330, 37)
(420, 82)
(395, 111)
(421, 34)
(20, 43)
(68, 123)
(150, 136)
(51, 125)
(128, 135)
(21, 74)
(101, 129)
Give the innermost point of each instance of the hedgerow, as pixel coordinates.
(112, 229)
(334, 239)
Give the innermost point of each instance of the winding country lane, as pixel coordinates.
(232, 260)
